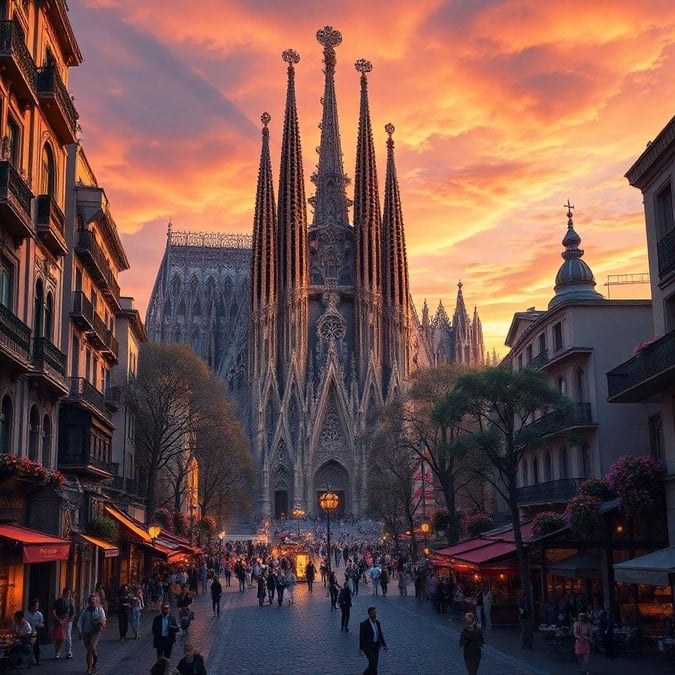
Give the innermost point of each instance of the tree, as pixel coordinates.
(499, 410)
(178, 401)
(434, 440)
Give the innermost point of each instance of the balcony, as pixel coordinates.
(15, 203)
(128, 485)
(95, 261)
(49, 366)
(84, 464)
(17, 63)
(113, 398)
(649, 373)
(540, 360)
(50, 225)
(98, 334)
(57, 105)
(14, 341)
(550, 492)
(579, 417)
(87, 395)
(665, 251)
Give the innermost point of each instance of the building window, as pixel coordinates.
(528, 351)
(12, 142)
(663, 212)
(48, 177)
(557, 337)
(542, 343)
(49, 316)
(38, 309)
(535, 471)
(579, 389)
(548, 468)
(562, 386)
(46, 441)
(656, 436)
(6, 425)
(585, 460)
(520, 361)
(564, 462)
(525, 476)
(34, 434)
(6, 282)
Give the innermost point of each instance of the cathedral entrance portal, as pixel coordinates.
(280, 504)
(333, 476)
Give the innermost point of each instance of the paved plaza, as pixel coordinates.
(306, 639)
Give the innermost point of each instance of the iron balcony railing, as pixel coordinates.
(14, 334)
(13, 49)
(540, 360)
(89, 248)
(47, 356)
(50, 85)
(649, 369)
(560, 490)
(15, 201)
(665, 251)
(82, 390)
(554, 423)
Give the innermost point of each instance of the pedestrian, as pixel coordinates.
(192, 662)
(137, 605)
(90, 624)
(261, 593)
(102, 598)
(310, 573)
(216, 592)
(124, 599)
(402, 585)
(345, 602)
(227, 571)
(471, 640)
(583, 639)
(203, 577)
(479, 607)
(384, 581)
(37, 621)
(63, 613)
(333, 589)
(371, 640)
(290, 586)
(280, 586)
(164, 629)
(163, 667)
(374, 573)
(271, 586)
(487, 607)
(524, 619)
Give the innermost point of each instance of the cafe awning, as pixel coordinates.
(487, 554)
(581, 565)
(38, 547)
(109, 550)
(653, 569)
(462, 547)
(130, 524)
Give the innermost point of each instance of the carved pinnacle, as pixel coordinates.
(290, 56)
(265, 118)
(328, 36)
(363, 66)
(389, 128)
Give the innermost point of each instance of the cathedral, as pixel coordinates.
(310, 320)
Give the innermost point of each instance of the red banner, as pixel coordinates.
(39, 553)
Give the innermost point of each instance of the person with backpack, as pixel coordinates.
(345, 602)
(280, 586)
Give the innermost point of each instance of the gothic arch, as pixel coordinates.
(333, 475)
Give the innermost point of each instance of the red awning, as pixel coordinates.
(462, 547)
(38, 547)
(130, 523)
(486, 554)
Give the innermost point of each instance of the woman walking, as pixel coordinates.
(472, 641)
(137, 604)
(583, 638)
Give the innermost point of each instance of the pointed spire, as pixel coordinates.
(292, 246)
(575, 280)
(460, 320)
(366, 195)
(330, 201)
(263, 261)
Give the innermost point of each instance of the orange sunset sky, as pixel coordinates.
(503, 110)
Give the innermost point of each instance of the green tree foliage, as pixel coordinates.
(500, 411)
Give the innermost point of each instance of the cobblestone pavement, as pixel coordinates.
(305, 638)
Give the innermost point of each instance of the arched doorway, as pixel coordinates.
(333, 476)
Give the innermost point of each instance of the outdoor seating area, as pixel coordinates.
(11, 661)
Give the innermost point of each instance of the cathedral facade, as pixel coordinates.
(311, 321)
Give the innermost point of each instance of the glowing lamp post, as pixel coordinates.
(297, 514)
(221, 536)
(425, 531)
(154, 531)
(328, 502)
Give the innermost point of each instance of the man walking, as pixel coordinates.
(89, 626)
(345, 602)
(216, 592)
(164, 629)
(371, 639)
(524, 617)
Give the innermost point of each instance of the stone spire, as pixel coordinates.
(367, 231)
(330, 200)
(477, 344)
(292, 232)
(395, 265)
(263, 260)
(460, 319)
(575, 280)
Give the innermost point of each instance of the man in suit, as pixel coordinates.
(371, 639)
(164, 629)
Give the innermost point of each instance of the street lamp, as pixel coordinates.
(154, 531)
(297, 514)
(425, 530)
(328, 501)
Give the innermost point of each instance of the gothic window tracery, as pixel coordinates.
(294, 421)
(331, 438)
(270, 421)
